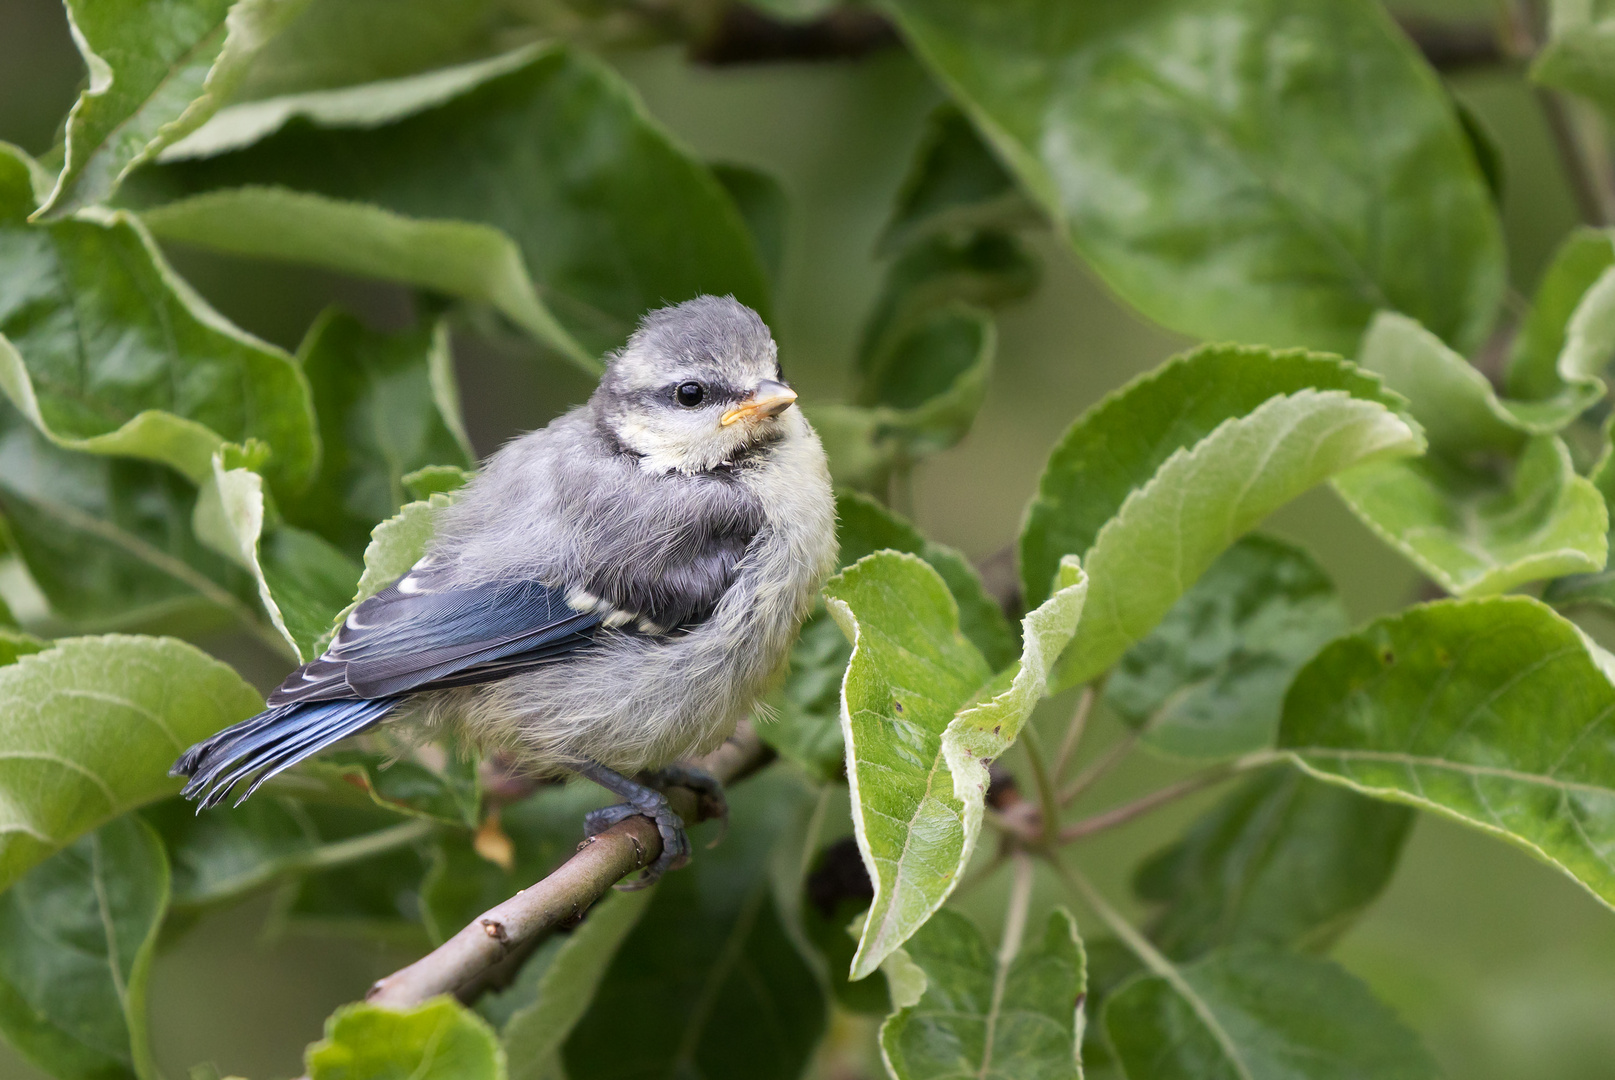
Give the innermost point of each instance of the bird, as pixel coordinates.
(608, 596)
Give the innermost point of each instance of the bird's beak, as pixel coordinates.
(769, 399)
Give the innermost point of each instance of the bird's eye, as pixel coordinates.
(689, 394)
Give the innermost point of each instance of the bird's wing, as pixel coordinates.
(423, 632)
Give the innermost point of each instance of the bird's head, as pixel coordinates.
(697, 386)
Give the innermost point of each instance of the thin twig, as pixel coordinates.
(1126, 812)
(1074, 730)
(564, 896)
(1047, 798)
(1092, 774)
(1009, 947)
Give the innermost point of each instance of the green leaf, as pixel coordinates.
(864, 527)
(535, 1033)
(1579, 52)
(230, 852)
(1209, 680)
(1597, 587)
(88, 729)
(377, 898)
(447, 794)
(1013, 1016)
(1154, 482)
(709, 976)
(79, 932)
(925, 394)
(398, 544)
(806, 728)
(105, 349)
(1278, 186)
(954, 184)
(545, 145)
(1460, 412)
(431, 480)
(303, 581)
(984, 269)
(461, 258)
(109, 540)
(388, 407)
(1254, 1014)
(1572, 280)
(1283, 860)
(15, 643)
(156, 73)
(765, 208)
(440, 1040)
(1487, 711)
(1485, 529)
(922, 716)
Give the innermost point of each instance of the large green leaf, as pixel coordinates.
(1209, 681)
(1254, 1014)
(765, 207)
(88, 730)
(1155, 481)
(439, 1040)
(388, 406)
(546, 145)
(1580, 51)
(535, 1033)
(1483, 529)
(105, 349)
(1488, 711)
(953, 183)
(1283, 860)
(713, 983)
(77, 937)
(156, 73)
(922, 716)
(1597, 587)
(1257, 170)
(1575, 289)
(109, 541)
(984, 1016)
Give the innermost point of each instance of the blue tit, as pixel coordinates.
(608, 595)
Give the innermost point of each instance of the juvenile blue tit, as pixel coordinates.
(609, 594)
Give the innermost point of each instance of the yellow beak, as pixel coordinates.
(769, 399)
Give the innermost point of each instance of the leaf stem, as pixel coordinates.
(1126, 812)
(1107, 761)
(1152, 958)
(1047, 797)
(1075, 729)
(1009, 947)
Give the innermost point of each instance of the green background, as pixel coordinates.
(1506, 967)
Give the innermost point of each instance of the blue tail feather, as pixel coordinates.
(267, 744)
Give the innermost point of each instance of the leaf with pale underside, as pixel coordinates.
(77, 937)
(438, 1040)
(1582, 261)
(1492, 712)
(105, 349)
(1485, 528)
(1257, 1014)
(303, 581)
(1209, 680)
(1257, 170)
(1579, 51)
(1154, 482)
(89, 728)
(997, 1017)
(156, 72)
(922, 715)
(545, 145)
(1283, 860)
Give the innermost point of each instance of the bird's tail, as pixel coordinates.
(274, 740)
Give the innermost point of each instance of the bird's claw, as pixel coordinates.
(675, 844)
(707, 788)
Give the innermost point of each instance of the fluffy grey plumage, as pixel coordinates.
(616, 589)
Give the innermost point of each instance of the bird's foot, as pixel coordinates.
(640, 800)
(707, 788)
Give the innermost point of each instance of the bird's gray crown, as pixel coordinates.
(717, 337)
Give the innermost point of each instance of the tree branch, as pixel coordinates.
(461, 963)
